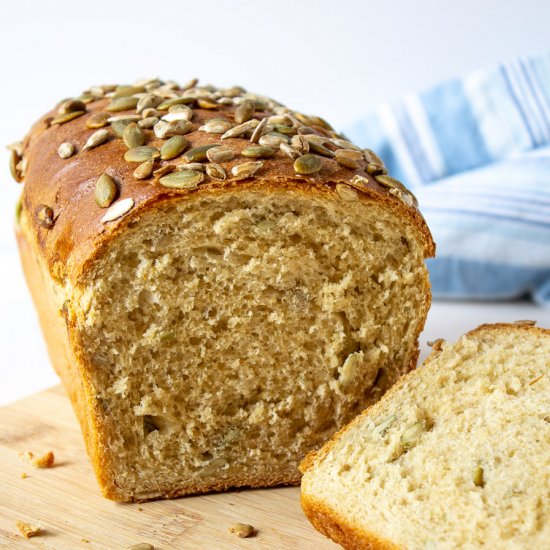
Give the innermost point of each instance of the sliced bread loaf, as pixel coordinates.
(456, 455)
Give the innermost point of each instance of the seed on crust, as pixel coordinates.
(308, 164)
(118, 209)
(105, 191)
(184, 179)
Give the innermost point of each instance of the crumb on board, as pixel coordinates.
(24, 475)
(242, 530)
(27, 529)
(47, 460)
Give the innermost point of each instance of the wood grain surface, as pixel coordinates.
(66, 501)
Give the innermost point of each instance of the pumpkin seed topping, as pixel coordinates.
(258, 152)
(241, 129)
(97, 120)
(105, 191)
(65, 150)
(126, 91)
(45, 216)
(300, 143)
(184, 179)
(259, 131)
(163, 170)
(164, 129)
(173, 147)
(245, 111)
(125, 118)
(289, 151)
(66, 117)
(307, 164)
(216, 171)
(133, 136)
(141, 154)
(246, 169)
(216, 126)
(71, 106)
(119, 126)
(148, 101)
(148, 122)
(118, 209)
(144, 170)
(220, 154)
(179, 115)
(197, 166)
(349, 158)
(207, 103)
(198, 154)
(180, 100)
(97, 138)
(273, 139)
(122, 104)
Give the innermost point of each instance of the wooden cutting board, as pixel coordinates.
(66, 499)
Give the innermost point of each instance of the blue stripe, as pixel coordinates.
(541, 67)
(458, 278)
(541, 115)
(455, 127)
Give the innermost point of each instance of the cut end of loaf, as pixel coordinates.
(225, 336)
(455, 456)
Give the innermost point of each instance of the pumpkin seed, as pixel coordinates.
(118, 209)
(163, 170)
(45, 216)
(300, 143)
(286, 130)
(97, 120)
(273, 139)
(178, 115)
(216, 171)
(191, 84)
(241, 129)
(180, 100)
(216, 126)
(125, 91)
(258, 152)
(122, 104)
(220, 154)
(105, 191)
(318, 121)
(173, 147)
(15, 159)
(410, 437)
(198, 154)
(141, 154)
(307, 164)
(65, 150)
(246, 169)
(119, 126)
(478, 477)
(245, 111)
(97, 138)
(348, 158)
(197, 166)
(127, 118)
(66, 117)
(207, 103)
(147, 101)
(279, 119)
(289, 151)
(371, 156)
(184, 179)
(144, 170)
(150, 112)
(314, 147)
(148, 123)
(259, 131)
(344, 144)
(165, 129)
(346, 192)
(133, 136)
(375, 169)
(71, 105)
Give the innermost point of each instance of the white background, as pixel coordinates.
(332, 58)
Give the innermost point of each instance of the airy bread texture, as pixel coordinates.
(455, 455)
(213, 333)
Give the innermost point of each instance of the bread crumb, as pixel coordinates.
(24, 475)
(45, 461)
(28, 530)
(242, 530)
(436, 345)
(85, 540)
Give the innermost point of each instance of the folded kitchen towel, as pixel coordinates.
(476, 152)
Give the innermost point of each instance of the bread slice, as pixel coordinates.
(455, 455)
(223, 317)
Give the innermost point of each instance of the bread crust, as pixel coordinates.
(323, 517)
(67, 186)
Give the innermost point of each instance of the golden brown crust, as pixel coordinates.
(67, 185)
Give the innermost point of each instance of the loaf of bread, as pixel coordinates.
(455, 455)
(222, 282)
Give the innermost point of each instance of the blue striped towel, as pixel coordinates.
(476, 152)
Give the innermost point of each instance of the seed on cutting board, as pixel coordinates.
(246, 169)
(66, 117)
(105, 191)
(216, 126)
(273, 139)
(122, 104)
(216, 171)
(242, 530)
(289, 151)
(133, 136)
(118, 209)
(241, 129)
(307, 164)
(65, 150)
(184, 179)
(44, 215)
(148, 122)
(173, 147)
(245, 111)
(164, 129)
(125, 91)
(141, 154)
(198, 154)
(144, 170)
(97, 138)
(97, 120)
(348, 157)
(258, 152)
(220, 154)
(141, 546)
(259, 131)
(71, 105)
